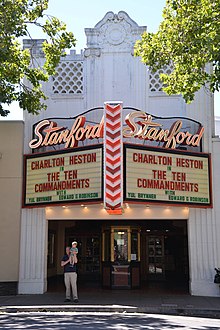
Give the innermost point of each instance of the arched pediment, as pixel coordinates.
(115, 32)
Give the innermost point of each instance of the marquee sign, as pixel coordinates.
(175, 177)
(152, 169)
(113, 155)
(141, 126)
(49, 134)
(71, 176)
(137, 126)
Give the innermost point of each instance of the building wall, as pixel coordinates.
(11, 166)
(217, 125)
(108, 71)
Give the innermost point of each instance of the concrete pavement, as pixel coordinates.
(97, 300)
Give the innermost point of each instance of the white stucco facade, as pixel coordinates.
(217, 125)
(108, 71)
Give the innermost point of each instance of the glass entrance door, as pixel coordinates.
(121, 257)
(155, 257)
(120, 238)
(92, 257)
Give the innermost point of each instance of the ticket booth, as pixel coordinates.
(121, 257)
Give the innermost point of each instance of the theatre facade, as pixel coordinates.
(128, 172)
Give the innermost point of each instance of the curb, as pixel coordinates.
(69, 308)
(196, 312)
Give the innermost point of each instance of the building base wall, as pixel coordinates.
(32, 287)
(8, 288)
(204, 288)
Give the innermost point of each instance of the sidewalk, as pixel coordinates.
(100, 300)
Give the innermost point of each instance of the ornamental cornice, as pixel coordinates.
(92, 52)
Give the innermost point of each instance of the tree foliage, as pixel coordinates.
(16, 63)
(188, 38)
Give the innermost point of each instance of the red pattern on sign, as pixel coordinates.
(113, 185)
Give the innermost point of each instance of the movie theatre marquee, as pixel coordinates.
(164, 176)
(63, 177)
(125, 155)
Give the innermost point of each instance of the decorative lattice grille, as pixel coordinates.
(156, 84)
(68, 78)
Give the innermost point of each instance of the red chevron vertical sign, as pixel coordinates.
(113, 156)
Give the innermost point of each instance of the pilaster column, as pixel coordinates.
(203, 245)
(33, 252)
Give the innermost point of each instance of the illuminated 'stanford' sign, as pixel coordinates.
(139, 125)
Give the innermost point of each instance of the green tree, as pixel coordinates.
(188, 38)
(16, 63)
